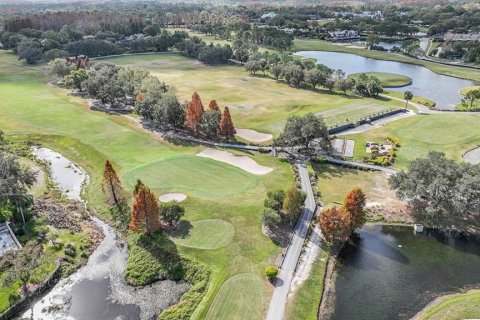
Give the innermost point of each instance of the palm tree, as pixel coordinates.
(407, 95)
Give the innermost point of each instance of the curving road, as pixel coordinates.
(284, 279)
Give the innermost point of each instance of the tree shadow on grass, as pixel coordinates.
(182, 230)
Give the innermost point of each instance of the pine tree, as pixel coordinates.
(226, 125)
(145, 213)
(111, 186)
(213, 106)
(193, 115)
(354, 206)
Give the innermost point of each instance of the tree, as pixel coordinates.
(441, 193)
(168, 112)
(335, 225)
(148, 94)
(213, 106)
(354, 206)
(171, 212)
(111, 186)
(344, 83)
(210, 125)
(372, 40)
(292, 204)
(271, 218)
(407, 95)
(252, 66)
(227, 128)
(315, 77)
(271, 272)
(193, 116)
(25, 262)
(144, 216)
(294, 75)
(301, 130)
(75, 79)
(471, 98)
(53, 54)
(276, 70)
(150, 30)
(30, 51)
(274, 200)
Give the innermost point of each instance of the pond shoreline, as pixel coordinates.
(326, 308)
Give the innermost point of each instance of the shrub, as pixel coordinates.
(70, 250)
(271, 272)
(271, 218)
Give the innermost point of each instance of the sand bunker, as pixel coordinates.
(253, 136)
(473, 156)
(242, 162)
(167, 197)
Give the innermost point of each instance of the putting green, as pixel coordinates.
(241, 297)
(204, 234)
(199, 176)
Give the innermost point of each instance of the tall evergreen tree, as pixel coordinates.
(226, 125)
(111, 186)
(145, 213)
(213, 106)
(193, 116)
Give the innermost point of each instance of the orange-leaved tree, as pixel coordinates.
(213, 106)
(145, 216)
(193, 115)
(335, 225)
(226, 124)
(111, 186)
(354, 206)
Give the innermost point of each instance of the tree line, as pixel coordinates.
(310, 75)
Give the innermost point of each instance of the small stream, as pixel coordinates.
(98, 289)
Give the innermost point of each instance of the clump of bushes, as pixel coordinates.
(282, 207)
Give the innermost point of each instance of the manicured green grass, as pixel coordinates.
(256, 102)
(455, 307)
(304, 303)
(388, 80)
(450, 133)
(241, 297)
(204, 234)
(199, 176)
(32, 110)
(320, 45)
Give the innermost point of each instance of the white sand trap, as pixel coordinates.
(473, 156)
(167, 197)
(242, 162)
(253, 136)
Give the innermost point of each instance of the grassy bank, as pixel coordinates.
(453, 307)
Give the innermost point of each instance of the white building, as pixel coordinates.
(268, 16)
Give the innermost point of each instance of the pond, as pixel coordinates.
(444, 90)
(98, 290)
(392, 273)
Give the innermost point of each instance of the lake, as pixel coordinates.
(392, 273)
(444, 90)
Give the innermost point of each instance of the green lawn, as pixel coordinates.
(454, 307)
(30, 109)
(417, 99)
(242, 297)
(256, 102)
(304, 302)
(320, 45)
(451, 133)
(204, 234)
(388, 80)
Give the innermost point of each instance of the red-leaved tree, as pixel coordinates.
(335, 225)
(111, 186)
(213, 106)
(144, 216)
(193, 115)
(226, 124)
(354, 206)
